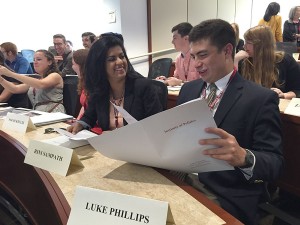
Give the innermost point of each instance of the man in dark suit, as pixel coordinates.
(247, 119)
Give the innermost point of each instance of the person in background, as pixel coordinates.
(110, 80)
(88, 38)
(69, 46)
(248, 132)
(14, 60)
(291, 27)
(79, 61)
(184, 64)
(13, 100)
(62, 55)
(239, 42)
(263, 65)
(273, 20)
(45, 94)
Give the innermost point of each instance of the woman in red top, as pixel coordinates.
(79, 59)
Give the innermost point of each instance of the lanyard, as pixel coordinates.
(213, 104)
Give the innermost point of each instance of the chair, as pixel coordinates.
(70, 95)
(162, 92)
(160, 67)
(287, 47)
(28, 195)
(28, 54)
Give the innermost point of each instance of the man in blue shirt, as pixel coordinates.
(15, 61)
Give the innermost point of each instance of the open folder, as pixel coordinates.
(166, 140)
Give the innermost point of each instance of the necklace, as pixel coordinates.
(117, 102)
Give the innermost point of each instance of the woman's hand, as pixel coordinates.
(75, 128)
(5, 71)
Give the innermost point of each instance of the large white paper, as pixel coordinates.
(166, 140)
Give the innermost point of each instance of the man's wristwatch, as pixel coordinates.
(249, 159)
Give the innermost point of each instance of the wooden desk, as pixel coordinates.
(289, 180)
(187, 205)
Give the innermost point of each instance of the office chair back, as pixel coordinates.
(162, 92)
(160, 67)
(287, 47)
(71, 99)
(28, 195)
(28, 54)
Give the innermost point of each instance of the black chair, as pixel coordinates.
(287, 47)
(162, 92)
(70, 95)
(160, 67)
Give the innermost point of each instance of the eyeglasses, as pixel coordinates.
(58, 44)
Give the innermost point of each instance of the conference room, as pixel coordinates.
(147, 38)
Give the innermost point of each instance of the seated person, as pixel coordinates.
(184, 63)
(248, 133)
(45, 94)
(88, 38)
(111, 79)
(69, 45)
(291, 27)
(79, 60)
(265, 66)
(239, 42)
(62, 55)
(13, 100)
(14, 60)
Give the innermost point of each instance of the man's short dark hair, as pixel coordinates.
(183, 28)
(217, 31)
(60, 36)
(91, 36)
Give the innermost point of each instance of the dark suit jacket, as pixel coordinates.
(250, 113)
(141, 100)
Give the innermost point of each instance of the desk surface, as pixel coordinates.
(117, 176)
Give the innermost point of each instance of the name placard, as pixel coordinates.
(90, 206)
(53, 158)
(293, 107)
(18, 123)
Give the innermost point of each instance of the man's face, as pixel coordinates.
(178, 41)
(209, 63)
(86, 42)
(59, 46)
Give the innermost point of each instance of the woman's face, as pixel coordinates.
(116, 64)
(249, 48)
(41, 63)
(76, 68)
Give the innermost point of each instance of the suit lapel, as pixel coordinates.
(230, 97)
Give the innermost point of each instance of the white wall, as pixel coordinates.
(246, 13)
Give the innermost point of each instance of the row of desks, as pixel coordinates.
(187, 205)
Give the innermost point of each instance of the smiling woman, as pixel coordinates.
(110, 78)
(45, 94)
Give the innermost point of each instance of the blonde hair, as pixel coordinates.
(261, 67)
(236, 29)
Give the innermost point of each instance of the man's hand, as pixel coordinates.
(58, 58)
(227, 148)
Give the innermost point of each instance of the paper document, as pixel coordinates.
(166, 140)
(50, 118)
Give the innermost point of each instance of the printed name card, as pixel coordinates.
(17, 122)
(93, 206)
(53, 158)
(293, 107)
